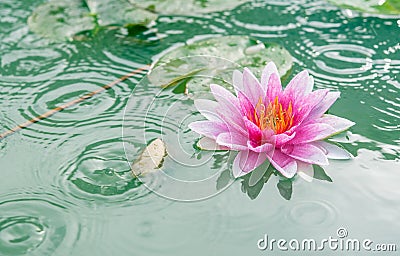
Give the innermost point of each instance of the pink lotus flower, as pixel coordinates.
(263, 121)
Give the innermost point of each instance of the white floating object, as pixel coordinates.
(151, 158)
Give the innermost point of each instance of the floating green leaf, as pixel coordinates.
(119, 12)
(285, 188)
(320, 174)
(181, 78)
(62, 20)
(391, 7)
(213, 61)
(151, 158)
(187, 7)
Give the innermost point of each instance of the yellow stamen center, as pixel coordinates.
(273, 116)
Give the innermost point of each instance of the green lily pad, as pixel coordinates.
(187, 7)
(213, 60)
(62, 20)
(119, 12)
(391, 7)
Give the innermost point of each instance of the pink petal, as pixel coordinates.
(274, 87)
(209, 129)
(332, 151)
(228, 108)
(269, 69)
(303, 105)
(255, 133)
(206, 143)
(283, 163)
(232, 140)
(251, 87)
(268, 136)
(226, 99)
(299, 85)
(339, 124)
(312, 132)
(237, 80)
(246, 161)
(306, 153)
(282, 138)
(266, 147)
(323, 106)
(207, 108)
(233, 122)
(305, 171)
(245, 104)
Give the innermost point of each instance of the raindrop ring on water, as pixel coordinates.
(37, 226)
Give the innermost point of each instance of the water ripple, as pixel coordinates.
(60, 84)
(312, 213)
(346, 54)
(99, 172)
(37, 225)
